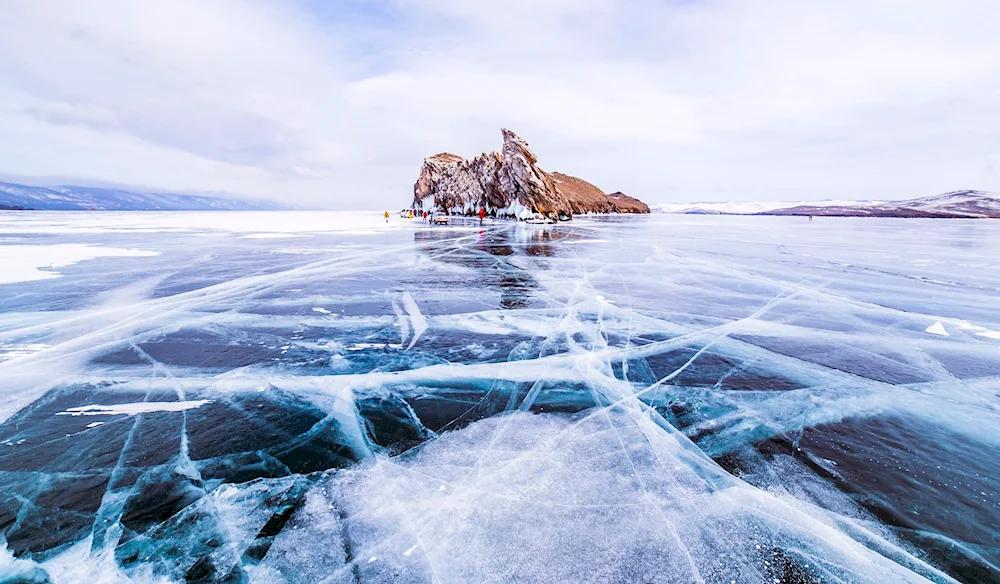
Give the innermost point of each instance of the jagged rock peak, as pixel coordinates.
(446, 157)
(509, 184)
(514, 145)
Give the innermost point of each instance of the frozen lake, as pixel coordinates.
(263, 397)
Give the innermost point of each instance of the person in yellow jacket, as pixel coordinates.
(386, 214)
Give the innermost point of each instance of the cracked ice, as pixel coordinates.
(283, 397)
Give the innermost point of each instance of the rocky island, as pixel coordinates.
(510, 184)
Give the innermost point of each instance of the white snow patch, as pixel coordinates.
(21, 263)
(364, 346)
(134, 408)
(937, 329)
(980, 331)
(320, 310)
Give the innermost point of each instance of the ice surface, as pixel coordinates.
(323, 397)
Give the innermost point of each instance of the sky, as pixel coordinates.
(335, 104)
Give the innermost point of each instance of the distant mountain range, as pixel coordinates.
(953, 205)
(74, 198)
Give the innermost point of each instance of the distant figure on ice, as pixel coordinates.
(386, 216)
(482, 214)
(425, 216)
(810, 218)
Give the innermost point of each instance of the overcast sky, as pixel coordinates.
(336, 103)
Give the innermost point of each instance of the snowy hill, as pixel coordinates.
(745, 207)
(75, 198)
(955, 204)
(972, 203)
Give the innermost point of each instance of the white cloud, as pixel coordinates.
(335, 104)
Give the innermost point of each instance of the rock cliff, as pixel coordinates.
(509, 183)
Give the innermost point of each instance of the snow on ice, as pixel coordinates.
(23, 263)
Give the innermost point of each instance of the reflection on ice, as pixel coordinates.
(615, 400)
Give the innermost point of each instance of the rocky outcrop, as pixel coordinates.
(627, 204)
(509, 183)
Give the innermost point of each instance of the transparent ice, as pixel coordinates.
(324, 397)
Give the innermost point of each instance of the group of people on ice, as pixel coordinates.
(408, 214)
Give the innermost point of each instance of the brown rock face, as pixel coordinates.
(510, 184)
(585, 197)
(627, 204)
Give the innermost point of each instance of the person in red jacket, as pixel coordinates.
(482, 214)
